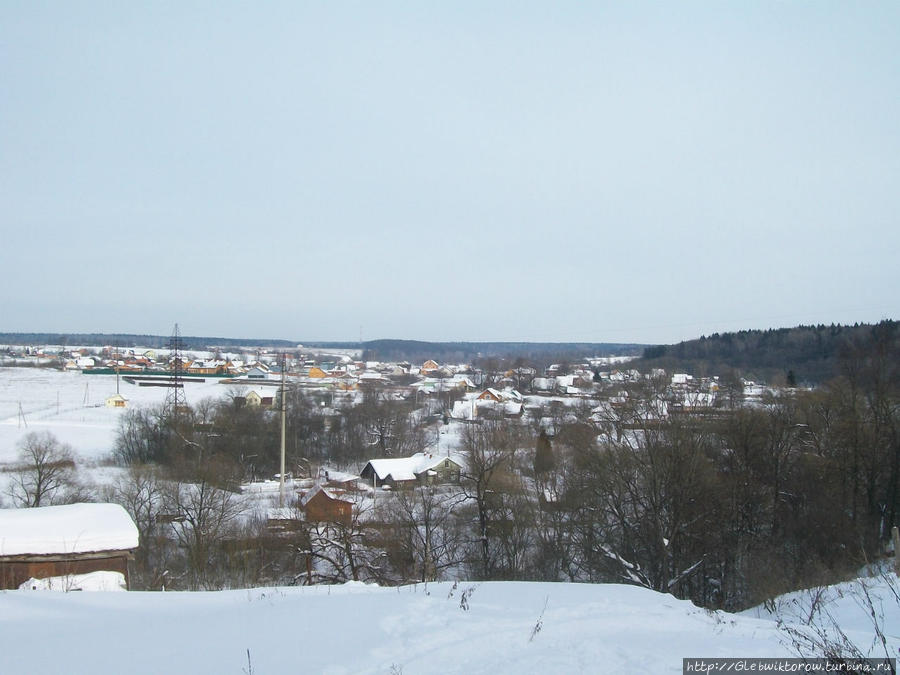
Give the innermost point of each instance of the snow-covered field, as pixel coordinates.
(72, 407)
(500, 627)
(491, 627)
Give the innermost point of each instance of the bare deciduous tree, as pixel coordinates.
(45, 473)
(140, 492)
(489, 450)
(426, 531)
(203, 512)
(341, 550)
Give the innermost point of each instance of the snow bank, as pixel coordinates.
(93, 581)
(73, 528)
(852, 605)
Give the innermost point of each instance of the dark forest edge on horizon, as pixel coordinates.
(803, 355)
(128, 340)
(381, 349)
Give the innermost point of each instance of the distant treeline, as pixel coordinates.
(381, 350)
(131, 340)
(788, 356)
(416, 351)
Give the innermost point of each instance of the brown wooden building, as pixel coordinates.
(321, 505)
(63, 541)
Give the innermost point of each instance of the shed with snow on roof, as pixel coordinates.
(53, 542)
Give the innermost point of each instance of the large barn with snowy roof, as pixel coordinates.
(56, 542)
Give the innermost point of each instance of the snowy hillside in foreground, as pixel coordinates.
(367, 629)
(849, 605)
(500, 627)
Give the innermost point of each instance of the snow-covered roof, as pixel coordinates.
(543, 383)
(463, 410)
(73, 528)
(407, 468)
(372, 376)
(400, 468)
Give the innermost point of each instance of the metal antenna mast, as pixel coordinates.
(175, 400)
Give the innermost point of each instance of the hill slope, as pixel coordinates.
(365, 629)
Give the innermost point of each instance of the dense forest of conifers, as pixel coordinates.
(805, 355)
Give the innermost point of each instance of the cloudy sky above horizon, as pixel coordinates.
(603, 172)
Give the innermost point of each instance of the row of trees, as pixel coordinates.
(317, 429)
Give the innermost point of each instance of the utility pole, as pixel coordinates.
(283, 429)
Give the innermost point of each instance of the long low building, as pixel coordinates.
(53, 542)
(421, 467)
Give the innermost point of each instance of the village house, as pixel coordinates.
(258, 372)
(496, 402)
(255, 398)
(372, 378)
(116, 401)
(54, 542)
(429, 368)
(421, 468)
(206, 368)
(323, 505)
(434, 385)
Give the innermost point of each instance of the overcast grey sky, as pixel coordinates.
(565, 171)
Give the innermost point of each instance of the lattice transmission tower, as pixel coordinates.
(175, 400)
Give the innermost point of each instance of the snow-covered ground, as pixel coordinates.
(500, 627)
(497, 627)
(491, 627)
(851, 604)
(71, 406)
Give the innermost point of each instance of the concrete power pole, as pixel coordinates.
(283, 429)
